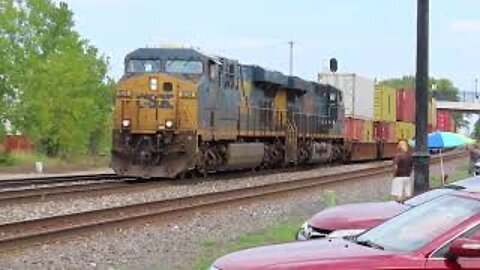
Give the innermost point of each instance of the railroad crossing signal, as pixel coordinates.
(333, 65)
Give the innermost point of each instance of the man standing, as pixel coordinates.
(402, 184)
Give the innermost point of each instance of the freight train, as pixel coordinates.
(178, 110)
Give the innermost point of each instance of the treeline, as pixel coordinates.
(440, 88)
(54, 86)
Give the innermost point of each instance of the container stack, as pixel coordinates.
(378, 113)
(432, 115)
(405, 122)
(358, 99)
(368, 131)
(385, 105)
(385, 131)
(445, 121)
(406, 105)
(404, 130)
(354, 129)
(385, 111)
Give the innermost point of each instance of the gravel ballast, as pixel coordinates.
(167, 190)
(10, 176)
(176, 245)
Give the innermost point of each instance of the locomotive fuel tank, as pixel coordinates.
(320, 152)
(244, 155)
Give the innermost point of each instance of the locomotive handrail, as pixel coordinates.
(259, 120)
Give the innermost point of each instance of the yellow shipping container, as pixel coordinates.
(368, 131)
(399, 131)
(432, 112)
(385, 104)
(410, 131)
(404, 131)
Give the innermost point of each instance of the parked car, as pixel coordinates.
(443, 233)
(352, 219)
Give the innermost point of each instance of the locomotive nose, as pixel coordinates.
(148, 103)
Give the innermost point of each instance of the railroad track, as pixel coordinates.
(52, 188)
(24, 233)
(41, 189)
(31, 189)
(55, 180)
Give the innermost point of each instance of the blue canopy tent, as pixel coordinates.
(442, 140)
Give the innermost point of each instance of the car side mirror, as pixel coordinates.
(464, 248)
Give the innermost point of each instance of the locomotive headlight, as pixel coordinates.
(153, 84)
(169, 124)
(126, 123)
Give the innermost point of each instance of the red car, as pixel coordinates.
(353, 219)
(443, 233)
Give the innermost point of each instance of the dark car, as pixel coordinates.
(442, 233)
(352, 219)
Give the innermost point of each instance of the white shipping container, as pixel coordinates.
(358, 93)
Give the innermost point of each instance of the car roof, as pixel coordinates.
(466, 194)
(471, 184)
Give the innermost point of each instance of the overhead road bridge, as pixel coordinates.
(467, 107)
(468, 102)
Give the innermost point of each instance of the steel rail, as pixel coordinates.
(101, 188)
(49, 180)
(24, 232)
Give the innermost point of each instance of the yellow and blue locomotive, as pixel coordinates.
(179, 110)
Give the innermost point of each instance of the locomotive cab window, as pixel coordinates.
(143, 66)
(333, 96)
(213, 71)
(184, 66)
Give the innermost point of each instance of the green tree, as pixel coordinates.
(55, 87)
(407, 82)
(441, 89)
(476, 131)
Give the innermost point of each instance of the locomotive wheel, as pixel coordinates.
(181, 175)
(202, 173)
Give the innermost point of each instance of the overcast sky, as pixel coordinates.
(375, 38)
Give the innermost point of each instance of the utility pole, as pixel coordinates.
(421, 156)
(291, 57)
(476, 89)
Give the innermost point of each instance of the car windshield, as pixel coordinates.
(427, 196)
(143, 66)
(184, 66)
(420, 225)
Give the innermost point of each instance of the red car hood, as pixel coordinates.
(302, 255)
(356, 216)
